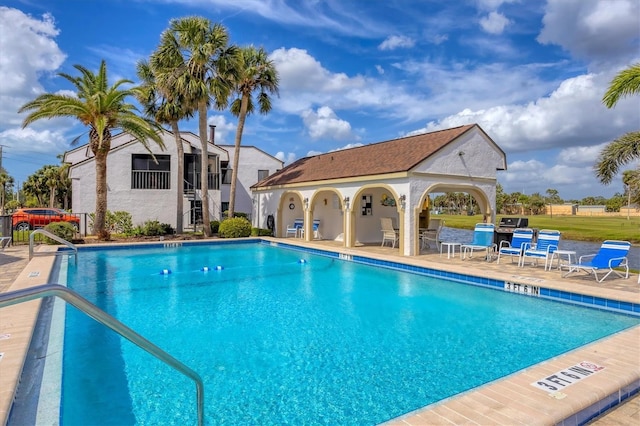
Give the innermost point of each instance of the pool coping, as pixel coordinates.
(587, 399)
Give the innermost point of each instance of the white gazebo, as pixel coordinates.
(347, 192)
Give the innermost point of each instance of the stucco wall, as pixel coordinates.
(251, 160)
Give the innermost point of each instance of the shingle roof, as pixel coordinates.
(397, 155)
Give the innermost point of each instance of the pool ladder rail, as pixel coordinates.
(88, 308)
(33, 253)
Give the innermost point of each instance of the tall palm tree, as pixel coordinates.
(254, 73)
(193, 51)
(102, 108)
(627, 147)
(166, 108)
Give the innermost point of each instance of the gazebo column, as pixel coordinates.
(308, 222)
(347, 224)
(408, 226)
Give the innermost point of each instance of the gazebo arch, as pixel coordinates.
(350, 240)
(285, 214)
(317, 198)
(478, 194)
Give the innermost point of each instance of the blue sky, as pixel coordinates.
(531, 73)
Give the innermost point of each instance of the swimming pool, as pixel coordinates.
(275, 340)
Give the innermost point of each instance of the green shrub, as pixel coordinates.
(114, 222)
(225, 214)
(236, 227)
(214, 226)
(64, 230)
(154, 228)
(261, 232)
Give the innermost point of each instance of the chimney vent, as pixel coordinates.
(212, 133)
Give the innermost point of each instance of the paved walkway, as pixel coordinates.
(15, 258)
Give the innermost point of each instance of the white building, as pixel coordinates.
(136, 184)
(348, 192)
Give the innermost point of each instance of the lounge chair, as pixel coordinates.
(296, 228)
(388, 232)
(612, 254)
(5, 242)
(544, 247)
(316, 229)
(482, 240)
(432, 233)
(521, 236)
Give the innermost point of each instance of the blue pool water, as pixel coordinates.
(277, 341)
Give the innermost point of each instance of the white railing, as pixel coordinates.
(88, 308)
(147, 179)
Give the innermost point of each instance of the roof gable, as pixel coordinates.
(397, 155)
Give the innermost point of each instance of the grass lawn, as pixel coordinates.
(580, 228)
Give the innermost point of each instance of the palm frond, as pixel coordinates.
(617, 153)
(625, 83)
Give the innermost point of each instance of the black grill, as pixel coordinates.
(504, 230)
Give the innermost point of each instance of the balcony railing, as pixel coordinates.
(147, 179)
(213, 182)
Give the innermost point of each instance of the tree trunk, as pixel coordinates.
(52, 196)
(236, 156)
(101, 195)
(180, 179)
(204, 168)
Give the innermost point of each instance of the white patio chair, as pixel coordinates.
(432, 233)
(388, 232)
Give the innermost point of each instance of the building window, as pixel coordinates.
(227, 173)
(262, 174)
(192, 176)
(225, 209)
(147, 174)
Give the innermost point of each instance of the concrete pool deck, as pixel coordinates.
(508, 401)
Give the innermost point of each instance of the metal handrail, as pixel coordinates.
(53, 237)
(73, 298)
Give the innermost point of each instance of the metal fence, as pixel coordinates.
(21, 236)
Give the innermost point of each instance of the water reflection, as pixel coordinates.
(580, 247)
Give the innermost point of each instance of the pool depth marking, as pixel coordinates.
(521, 288)
(568, 376)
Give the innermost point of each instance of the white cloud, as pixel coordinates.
(580, 155)
(380, 69)
(494, 23)
(31, 140)
(225, 131)
(347, 146)
(437, 38)
(305, 84)
(534, 176)
(493, 4)
(287, 158)
(396, 42)
(325, 124)
(601, 30)
(572, 115)
(28, 51)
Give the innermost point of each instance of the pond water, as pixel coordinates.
(580, 247)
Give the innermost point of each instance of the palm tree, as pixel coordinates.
(51, 177)
(255, 72)
(103, 108)
(627, 147)
(192, 53)
(6, 181)
(159, 104)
